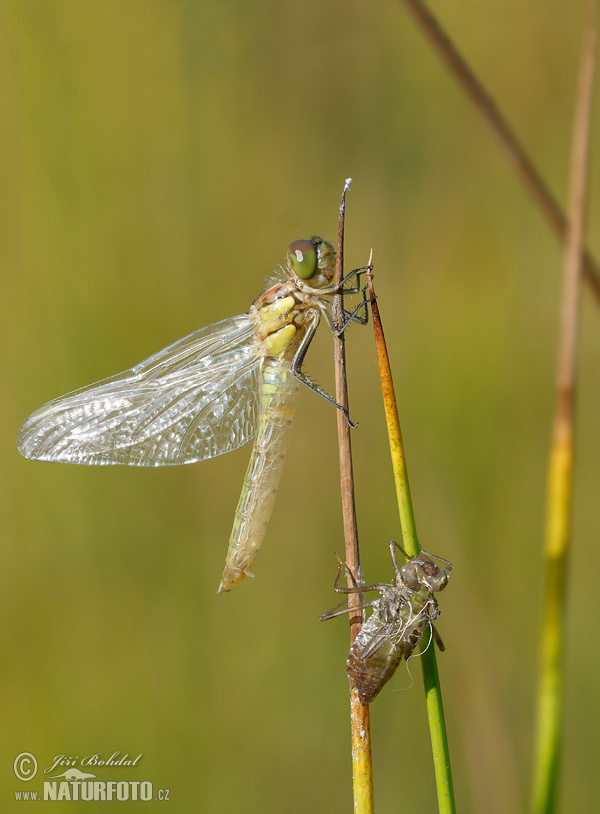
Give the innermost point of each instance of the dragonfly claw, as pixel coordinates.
(350, 423)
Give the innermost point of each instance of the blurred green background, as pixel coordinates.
(157, 158)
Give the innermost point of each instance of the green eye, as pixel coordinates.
(303, 257)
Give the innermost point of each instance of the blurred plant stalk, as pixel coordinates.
(433, 692)
(561, 459)
(523, 165)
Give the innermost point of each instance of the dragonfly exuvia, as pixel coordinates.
(206, 394)
(406, 608)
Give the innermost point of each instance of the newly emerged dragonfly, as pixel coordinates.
(207, 394)
(406, 608)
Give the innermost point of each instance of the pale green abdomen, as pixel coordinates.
(279, 393)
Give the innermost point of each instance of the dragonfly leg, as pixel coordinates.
(355, 589)
(302, 377)
(393, 546)
(437, 557)
(331, 614)
(332, 289)
(353, 317)
(350, 316)
(354, 273)
(437, 638)
(347, 316)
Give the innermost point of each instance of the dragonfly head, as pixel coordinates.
(313, 261)
(422, 571)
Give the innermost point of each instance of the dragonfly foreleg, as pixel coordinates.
(354, 273)
(354, 317)
(348, 316)
(434, 556)
(393, 546)
(333, 289)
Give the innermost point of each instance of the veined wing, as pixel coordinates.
(389, 630)
(195, 399)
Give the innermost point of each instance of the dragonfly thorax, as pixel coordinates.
(281, 317)
(388, 607)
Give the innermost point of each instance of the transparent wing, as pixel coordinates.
(195, 399)
(386, 632)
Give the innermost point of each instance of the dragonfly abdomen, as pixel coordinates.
(369, 673)
(279, 393)
(383, 642)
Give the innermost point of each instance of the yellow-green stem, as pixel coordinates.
(548, 737)
(550, 691)
(433, 693)
(362, 767)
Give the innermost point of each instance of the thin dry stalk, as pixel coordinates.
(519, 159)
(362, 770)
(560, 465)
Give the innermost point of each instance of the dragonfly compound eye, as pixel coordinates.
(423, 572)
(411, 575)
(303, 257)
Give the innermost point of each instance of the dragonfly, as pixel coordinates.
(406, 608)
(207, 394)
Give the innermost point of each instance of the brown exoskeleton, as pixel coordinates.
(395, 627)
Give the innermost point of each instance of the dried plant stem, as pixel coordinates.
(362, 769)
(433, 693)
(560, 466)
(486, 106)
